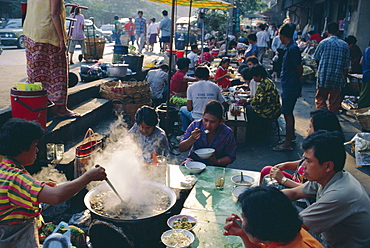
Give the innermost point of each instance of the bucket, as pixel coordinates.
(135, 62)
(120, 49)
(30, 105)
(215, 52)
(180, 54)
(172, 117)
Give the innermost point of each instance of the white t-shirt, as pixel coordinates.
(153, 29)
(262, 39)
(200, 93)
(193, 59)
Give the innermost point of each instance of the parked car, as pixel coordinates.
(107, 31)
(12, 33)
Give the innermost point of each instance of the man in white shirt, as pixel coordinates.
(198, 95)
(193, 56)
(262, 42)
(341, 211)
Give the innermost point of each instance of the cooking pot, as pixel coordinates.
(149, 184)
(117, 70)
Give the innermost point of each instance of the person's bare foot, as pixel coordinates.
(68, 114)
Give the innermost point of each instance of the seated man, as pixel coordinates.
(341, 211)
(220, 137)
(147, 134)
(198, 95)
(179, 80)
(158, 80)
(264, 209)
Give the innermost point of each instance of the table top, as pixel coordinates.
(208, 232)
(205, 197)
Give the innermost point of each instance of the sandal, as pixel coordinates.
(280, 148)
(283, 140)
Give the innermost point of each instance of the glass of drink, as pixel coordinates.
(219, 178)
(50, 151)
(59, 151)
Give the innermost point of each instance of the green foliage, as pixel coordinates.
(250, 6)
(216, 20)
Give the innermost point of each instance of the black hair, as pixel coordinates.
(147, 115)
(116, 17)
(165, 12)
(350, 39)
(202, 72)
(312, 32)
(252, 59)
(327, 146)
(206, 49)
(153, 19)
(17, 135)
(182, 63)
(75, 10)
(252, 37)
(192, 47)
(232, 43)
(246, 73)
(224, 60)
(140, 12)
(241, 67)
(262, 27)
(323, 119)
(265, 208)
(259, 70)
(287, 30)
(214, 108)
(333, 28)
(164, 66)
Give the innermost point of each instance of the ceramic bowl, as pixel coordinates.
(187, 236)
(238, 191)
(195, 167)
(204, 153)
(248, 180)
(172, 219)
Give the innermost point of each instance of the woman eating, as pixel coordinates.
(21, 194)
(219, 137)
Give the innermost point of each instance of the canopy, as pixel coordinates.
(206, 4)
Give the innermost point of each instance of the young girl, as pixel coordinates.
(222, 78)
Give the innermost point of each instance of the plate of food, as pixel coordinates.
(182, 221)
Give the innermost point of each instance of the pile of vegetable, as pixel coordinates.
(183, 223)
(179, 101)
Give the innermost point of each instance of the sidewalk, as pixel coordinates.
(256, 156)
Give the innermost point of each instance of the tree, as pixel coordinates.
(250, 6)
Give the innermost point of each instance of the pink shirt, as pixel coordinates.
(78, 32)
(177, 85)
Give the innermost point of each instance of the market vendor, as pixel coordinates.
(21, 194)
(148, 135)
(220, 137)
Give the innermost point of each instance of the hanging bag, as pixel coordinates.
(58, 240)
(84, 152)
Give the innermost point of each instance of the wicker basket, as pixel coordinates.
(363, 117)
(95, 47)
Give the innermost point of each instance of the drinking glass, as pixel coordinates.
(219, 178)
(59, 151)
(50, 151)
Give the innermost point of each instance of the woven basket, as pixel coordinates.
(363, 117)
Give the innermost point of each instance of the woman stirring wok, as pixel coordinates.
(219, 137)
(20, 193)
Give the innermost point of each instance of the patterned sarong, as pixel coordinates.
(46, 65)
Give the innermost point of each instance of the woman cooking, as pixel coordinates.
(147, 135)
(21, 194)
(219, 137)
(45, 40)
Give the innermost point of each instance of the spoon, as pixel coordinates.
(241, 177)
(206, 131)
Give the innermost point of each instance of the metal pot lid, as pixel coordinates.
(120, 65)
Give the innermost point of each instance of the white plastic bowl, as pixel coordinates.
(238, 191)
(247, 180)
(204, 153)
(195, 167)
(169, 232)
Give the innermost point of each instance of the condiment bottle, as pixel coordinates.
(119, 88)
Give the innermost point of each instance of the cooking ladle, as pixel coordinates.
(112, 187)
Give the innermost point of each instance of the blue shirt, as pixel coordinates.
(290, 80)
(332, 56)
(223, 142)
(366, 65)
(165, 27)
(250, 50)
(140, 25)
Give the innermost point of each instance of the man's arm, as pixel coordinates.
(294, 193)
(189, 105)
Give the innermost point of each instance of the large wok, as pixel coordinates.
(105, 187)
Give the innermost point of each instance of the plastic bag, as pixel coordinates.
(275, 58)
(57, 240)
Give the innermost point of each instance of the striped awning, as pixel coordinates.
(206, 4)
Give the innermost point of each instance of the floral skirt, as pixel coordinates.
(46, 65)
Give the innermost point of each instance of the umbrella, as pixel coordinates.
(206, 4)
